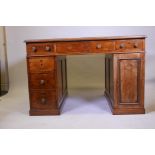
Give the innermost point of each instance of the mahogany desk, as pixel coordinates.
(124, 72)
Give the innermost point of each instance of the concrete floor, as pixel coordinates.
(84, 108)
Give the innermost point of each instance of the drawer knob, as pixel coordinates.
(42, 82)
(43, 100)
(47, 48)
(135, 45)
(34, 49)
(99, 46)
(122, 45)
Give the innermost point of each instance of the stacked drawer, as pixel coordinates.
(42, 77)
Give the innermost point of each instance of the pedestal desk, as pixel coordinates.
(124, 72)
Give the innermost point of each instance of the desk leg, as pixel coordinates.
(125, 83)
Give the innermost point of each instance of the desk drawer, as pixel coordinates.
(43, 99)
(130, 45)
(102, 46)
(41, 65)
(72, 47)
(42, 81)
(35, 49)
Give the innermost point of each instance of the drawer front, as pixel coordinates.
(40, 49)
(42, 81)
(102, 46)
(72, 47)
(130, 45)
(43, 99)
(41, 65)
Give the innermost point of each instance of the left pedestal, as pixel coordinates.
(47, 84)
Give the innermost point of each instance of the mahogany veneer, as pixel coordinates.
(124, 72)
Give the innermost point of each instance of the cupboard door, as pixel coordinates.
(129, 80)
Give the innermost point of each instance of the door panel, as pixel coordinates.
(129, 80)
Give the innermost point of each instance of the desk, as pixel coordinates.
(124, 72)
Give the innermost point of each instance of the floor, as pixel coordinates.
(84, 108)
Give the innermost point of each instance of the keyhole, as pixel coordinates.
(41, 63)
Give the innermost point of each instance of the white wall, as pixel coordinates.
(83, 71)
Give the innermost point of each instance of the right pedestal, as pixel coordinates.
(124, 83)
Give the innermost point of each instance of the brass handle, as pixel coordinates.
(99, 46)
(122, 45)
(34, 49)
(43, 100)
(42, 82)
(135, 45)
(47, 48)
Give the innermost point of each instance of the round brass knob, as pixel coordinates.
(122, 45)
(43, 100)
(34, 49)
(42, 82)
(99, 46)
(47, 48)
(135, 45)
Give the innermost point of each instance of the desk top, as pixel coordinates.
(86, 39)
